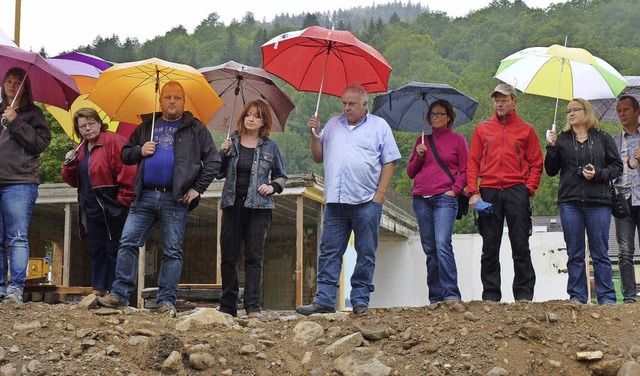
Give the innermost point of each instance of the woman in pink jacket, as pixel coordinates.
(435, 197)
(105, 192)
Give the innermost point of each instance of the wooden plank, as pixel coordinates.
(299, 249)
(218, 250)
(141, 266)
(66, 258)
(64, 290)
(58, 252)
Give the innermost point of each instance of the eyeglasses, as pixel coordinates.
(257, 117)
(437, 114)
(575, 109)
(89, 125)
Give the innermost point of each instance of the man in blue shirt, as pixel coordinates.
(359, 154)
(628, 143)
(174, 169)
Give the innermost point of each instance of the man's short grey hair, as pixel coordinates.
(357, 88)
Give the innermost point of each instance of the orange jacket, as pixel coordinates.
(503, 155)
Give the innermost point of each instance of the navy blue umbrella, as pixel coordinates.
(405, 108)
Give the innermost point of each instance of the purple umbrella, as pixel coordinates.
(84, 68)
(49, 84)
(97, 62)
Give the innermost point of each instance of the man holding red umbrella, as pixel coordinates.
(359, 155)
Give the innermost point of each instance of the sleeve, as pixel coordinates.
(33, 134)
(132, 151)
(278, 175)
(473, 164)
(612, 162)
(415, 164)
(463, 158)
(534, 157)
(210, 158)
(553, 160)
(125, 175)
(70, 173)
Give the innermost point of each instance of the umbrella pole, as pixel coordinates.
(155, 104)
(326, 63)
(555, 113)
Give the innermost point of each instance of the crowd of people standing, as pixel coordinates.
(125, 187)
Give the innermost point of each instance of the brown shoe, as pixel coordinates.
(167, 309)
(254, 315)
(99, 292)
(110, 301)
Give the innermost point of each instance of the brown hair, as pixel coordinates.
(88, 113)
(263, 112)
(26, 99)
(447, 108)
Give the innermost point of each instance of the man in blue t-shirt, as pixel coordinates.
(174, 169)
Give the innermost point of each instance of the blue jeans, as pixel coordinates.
(16, 204)
(627, 229)
(149, 208)
(435, 216)
(339, 220)
(575, 219)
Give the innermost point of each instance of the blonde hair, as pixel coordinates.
(590, 120)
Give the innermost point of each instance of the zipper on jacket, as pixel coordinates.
(518, 154)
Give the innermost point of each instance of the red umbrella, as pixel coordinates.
(303, 57)
(49, 84)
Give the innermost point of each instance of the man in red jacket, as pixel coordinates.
(506, 156)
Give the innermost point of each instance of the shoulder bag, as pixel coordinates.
(619, 206)
(463, 199)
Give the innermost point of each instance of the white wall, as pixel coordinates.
(400, 277)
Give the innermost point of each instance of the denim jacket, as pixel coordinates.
(268, 161)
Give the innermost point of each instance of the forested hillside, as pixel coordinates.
(420, 46)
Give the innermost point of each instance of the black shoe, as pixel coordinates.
(314, 308)
(361, 310)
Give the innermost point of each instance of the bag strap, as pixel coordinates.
(435, 154)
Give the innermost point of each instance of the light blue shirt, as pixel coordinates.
(353, 158)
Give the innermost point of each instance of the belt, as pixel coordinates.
(160, 189)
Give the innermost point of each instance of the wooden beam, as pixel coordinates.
(66, 257)
(299, 249)
(58, 252)
(141, 266)
(16, 32)
(218, 250)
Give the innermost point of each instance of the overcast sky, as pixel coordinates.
(60, 25)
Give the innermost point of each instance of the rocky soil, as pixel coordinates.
(472, 338)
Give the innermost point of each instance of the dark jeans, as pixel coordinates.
(104, 252)
(249, 226)
(595, 220)
(513, 204)
(626, 232)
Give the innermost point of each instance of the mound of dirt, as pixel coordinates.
(471, 338)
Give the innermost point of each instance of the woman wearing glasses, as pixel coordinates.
(587, 160)
(435, 201)
(105, 192)
(24, 134)
(254, 171)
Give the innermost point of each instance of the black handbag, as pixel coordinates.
(463, 199)
(619, 206)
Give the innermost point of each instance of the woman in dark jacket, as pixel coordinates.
(105, 192)
(23, 136)
(587, 160)
(253, 169)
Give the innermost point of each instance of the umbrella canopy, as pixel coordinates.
(405, 108)
(303, 57)
(606, 108)
(65, 118)
(561, 72)
(127, 90)
(238, 84)
(84, 68)
(49, 84)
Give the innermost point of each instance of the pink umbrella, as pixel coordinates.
(49, 84)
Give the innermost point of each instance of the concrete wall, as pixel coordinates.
(400, 277)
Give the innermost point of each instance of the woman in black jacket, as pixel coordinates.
(587, 160)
